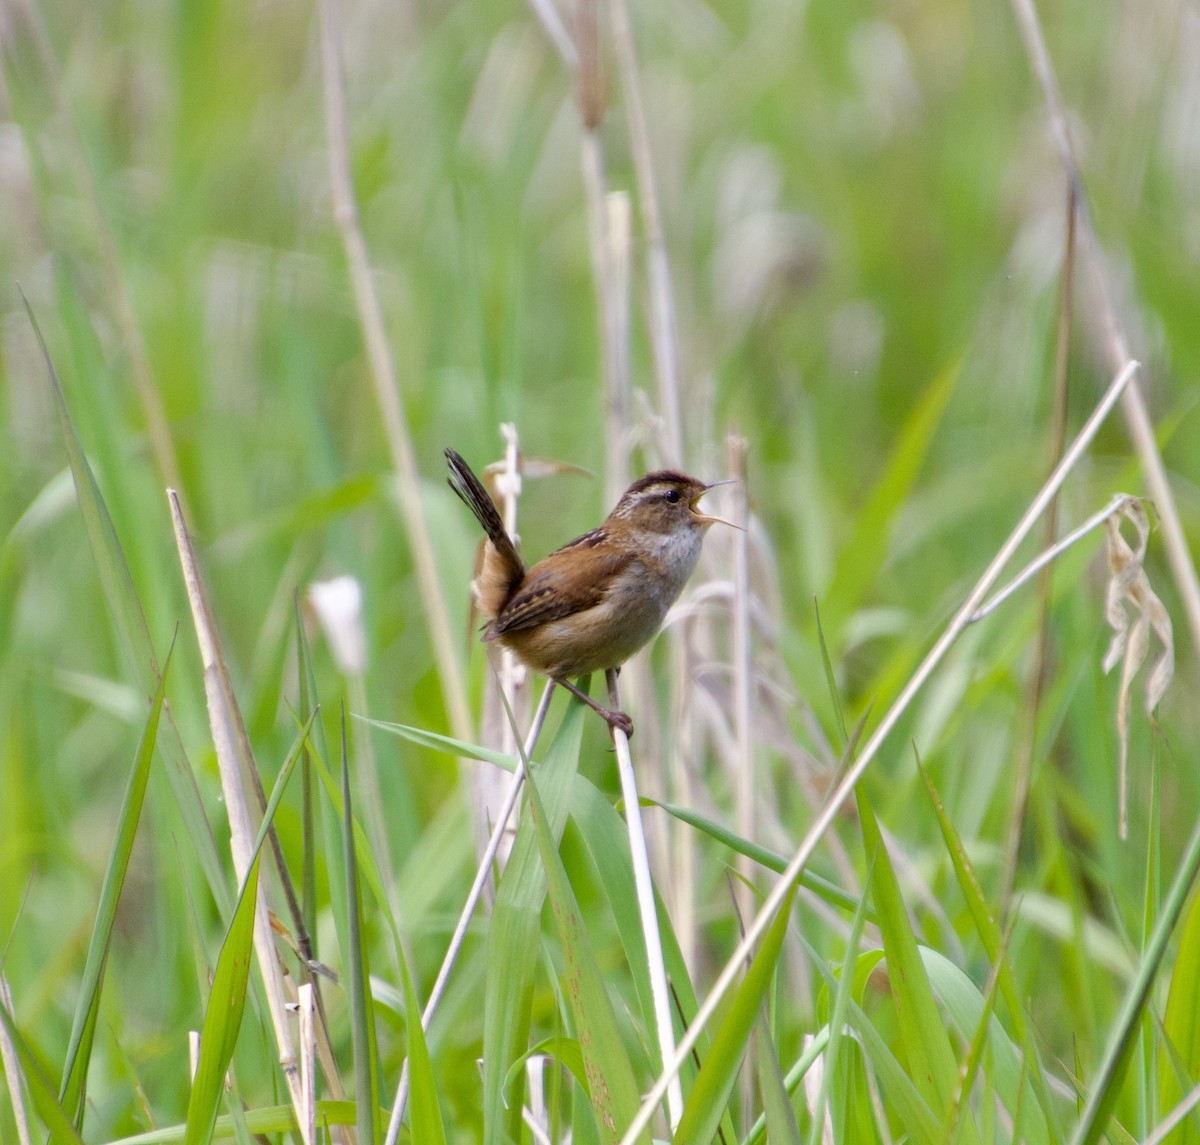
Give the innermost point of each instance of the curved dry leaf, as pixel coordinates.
(1134, 611)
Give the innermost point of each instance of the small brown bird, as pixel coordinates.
(592, 604)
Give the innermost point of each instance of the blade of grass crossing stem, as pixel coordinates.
(764, 856)
(514, 936)
(362, 1020)
(613, 1091)
(993, 944)
(926, 1045)
(79, 1049)
(134, 635)
(54, 1117)
(227, 999)
(709, 1097)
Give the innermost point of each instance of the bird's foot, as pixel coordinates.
(619, 720)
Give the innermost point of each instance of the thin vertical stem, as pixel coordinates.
(659, 992)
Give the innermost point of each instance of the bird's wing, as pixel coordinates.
(542, 596)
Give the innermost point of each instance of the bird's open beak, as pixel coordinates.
(703, 518)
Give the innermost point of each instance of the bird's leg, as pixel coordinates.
(613, 719)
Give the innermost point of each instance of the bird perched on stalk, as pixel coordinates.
(592, 604)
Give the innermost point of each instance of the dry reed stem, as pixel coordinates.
(1114, 339)
(825, 819)
(308, 1088)
(233, 786)
(743, 673)
(383, 375)
(647, 910)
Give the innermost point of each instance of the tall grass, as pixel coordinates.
(879, 263)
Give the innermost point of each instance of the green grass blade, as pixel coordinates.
(53, 1115)
(837, 1019)
(1181, 1024)
(927, 1048)
(1123, 1037)
(835, 698)
(362, 1023)
(272, 1119)
(709, 1097)
(79, 1050)
(779, 1115)
(902, 1094)
(448, 744)
(612, 1091)
(227, 999)
(515, 934)
(993, 944)
(863, 556)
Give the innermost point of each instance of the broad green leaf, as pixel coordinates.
(706, 1104)
(79, 1051)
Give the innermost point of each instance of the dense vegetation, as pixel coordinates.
(823, 247)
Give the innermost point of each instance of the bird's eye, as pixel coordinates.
(671, 495)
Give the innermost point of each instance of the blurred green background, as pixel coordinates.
(864, 215)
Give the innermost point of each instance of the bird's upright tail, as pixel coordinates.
(503, 569)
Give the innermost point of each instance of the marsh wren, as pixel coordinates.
(592, 604)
